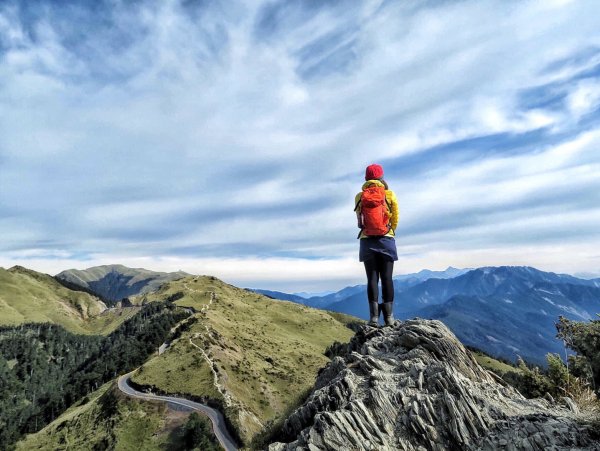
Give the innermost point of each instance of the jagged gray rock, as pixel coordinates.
(414, 386)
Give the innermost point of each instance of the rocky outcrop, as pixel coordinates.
(414, 386)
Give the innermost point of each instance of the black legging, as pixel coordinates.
(379, 267)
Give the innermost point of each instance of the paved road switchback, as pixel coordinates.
(216, 417)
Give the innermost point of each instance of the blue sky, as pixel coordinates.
(229, 138)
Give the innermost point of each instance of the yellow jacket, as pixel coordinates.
(392, 202)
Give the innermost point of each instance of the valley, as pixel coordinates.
(252, 357)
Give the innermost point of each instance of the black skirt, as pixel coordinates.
(385, 245)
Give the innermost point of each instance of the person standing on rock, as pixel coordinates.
(376, 208)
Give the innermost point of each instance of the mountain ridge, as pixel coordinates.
(252, 355)
(116, 282)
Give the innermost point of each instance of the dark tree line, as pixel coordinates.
(44, 368)
(578, 377)
(197, 434)
(584, 339)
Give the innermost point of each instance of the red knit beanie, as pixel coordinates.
(374, 172)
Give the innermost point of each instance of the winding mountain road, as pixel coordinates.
(216, 417)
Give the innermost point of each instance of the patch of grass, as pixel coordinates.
(348, 320)
(273, 430)
(184, 292)
(137, 425)
(492, 364)
(181, 369)
(109, 320)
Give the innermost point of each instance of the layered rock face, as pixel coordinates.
(414, 386)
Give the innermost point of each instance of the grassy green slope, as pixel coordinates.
(109, 320)
(30, 296)
(266, 353)
(106, 419)
(492, 364)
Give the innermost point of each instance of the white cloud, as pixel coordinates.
(154, 122)
(584, 98)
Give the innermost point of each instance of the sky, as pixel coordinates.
(229, 138)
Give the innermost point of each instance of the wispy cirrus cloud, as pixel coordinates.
(180, 134)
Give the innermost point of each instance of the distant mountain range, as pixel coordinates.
(113, 283)
(324, 301)
(280, 295)
(306, 295)
(425, 274)
(505, 311)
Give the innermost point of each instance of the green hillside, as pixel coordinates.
(106, 419)
(30, 296)
(265, 353)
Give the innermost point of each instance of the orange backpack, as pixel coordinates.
(374, 211)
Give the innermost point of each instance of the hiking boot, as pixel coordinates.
(374, 313)
(388, 315)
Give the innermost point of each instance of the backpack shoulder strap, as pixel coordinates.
(387, 202)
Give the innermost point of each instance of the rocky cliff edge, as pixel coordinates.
(414, 386)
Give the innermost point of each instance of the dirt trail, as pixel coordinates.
(229, 401)
(218, 386)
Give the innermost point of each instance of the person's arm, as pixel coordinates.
(357, 210)
(394, 210)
